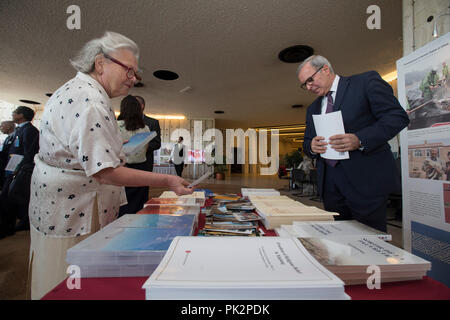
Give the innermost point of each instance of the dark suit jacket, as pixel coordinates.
(28, 143)
(370, 111)
(155, 143)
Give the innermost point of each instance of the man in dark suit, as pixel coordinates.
(358, 187)
(6, 127)
(26, 144)
(155, 143)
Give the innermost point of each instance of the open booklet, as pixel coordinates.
(137, 142)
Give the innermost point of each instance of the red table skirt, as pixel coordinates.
(131, 289)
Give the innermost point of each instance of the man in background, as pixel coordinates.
(24, 146)
(155, 143)
(177, 156)
(6, 127)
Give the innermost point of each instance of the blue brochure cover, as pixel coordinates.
(153, 221)
(143, 239)
(137, 142)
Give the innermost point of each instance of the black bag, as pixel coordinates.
(20, 184)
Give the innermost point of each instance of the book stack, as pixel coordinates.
(195, 194)
(172, 206)
(131, 246)
(349, 258)
(279, 210)
(324, 229)
(246, 192)
(223, 222)
(262, 268)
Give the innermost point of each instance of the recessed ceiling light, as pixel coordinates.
(219, 111)
(295, 106)
(165, 75)
(295, 54)
(29, 101)
(48, 94)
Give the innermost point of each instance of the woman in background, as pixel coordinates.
(131, 122)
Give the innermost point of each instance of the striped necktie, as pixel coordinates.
(330, 106)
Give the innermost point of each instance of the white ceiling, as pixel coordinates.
(226, 50)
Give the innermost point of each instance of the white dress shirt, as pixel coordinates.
(333, 89)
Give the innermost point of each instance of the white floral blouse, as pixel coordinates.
(79, 137)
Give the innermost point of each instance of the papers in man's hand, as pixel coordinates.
(137, 142)
(14, 161)
(327, 125)
(199, 180)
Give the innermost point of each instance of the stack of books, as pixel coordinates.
(361, 259)
(279, 210)
(348, 248)
(262, 268)
(324, 229)
(131, 246)
(173, 206)
(246, 192)
(195, 194)
(223, 222)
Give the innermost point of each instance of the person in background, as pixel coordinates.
(155, 143)
(177, 156)
(131, 122)
(6, 127)
(78, 181)
(358, 187)
(24, 144)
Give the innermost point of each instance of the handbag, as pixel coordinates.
(20, 184)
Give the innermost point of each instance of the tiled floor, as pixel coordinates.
(14, 249)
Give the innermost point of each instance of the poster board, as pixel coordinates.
(424, 91)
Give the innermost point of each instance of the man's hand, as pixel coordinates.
(318, 145)
(344, 142)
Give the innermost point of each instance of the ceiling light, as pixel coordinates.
(165, 75)
(48, 94)
(163, 117)
(435, 29)
(390, 76)
(158, 116)
(295, 106)
(219, 111)
(295, 54)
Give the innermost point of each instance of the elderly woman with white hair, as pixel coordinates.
(78, 181)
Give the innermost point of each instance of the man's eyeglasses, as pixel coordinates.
(130, 71)
(310, 79)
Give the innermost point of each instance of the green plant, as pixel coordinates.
(221, 167)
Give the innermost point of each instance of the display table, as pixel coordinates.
(170, 169)
(130, 288)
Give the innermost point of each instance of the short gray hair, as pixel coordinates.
(110, 42)
(316, 62)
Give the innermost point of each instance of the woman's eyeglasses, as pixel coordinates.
(130, 71)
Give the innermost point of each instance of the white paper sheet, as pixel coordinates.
(201, 179)
(328, 125)
(14, 161)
